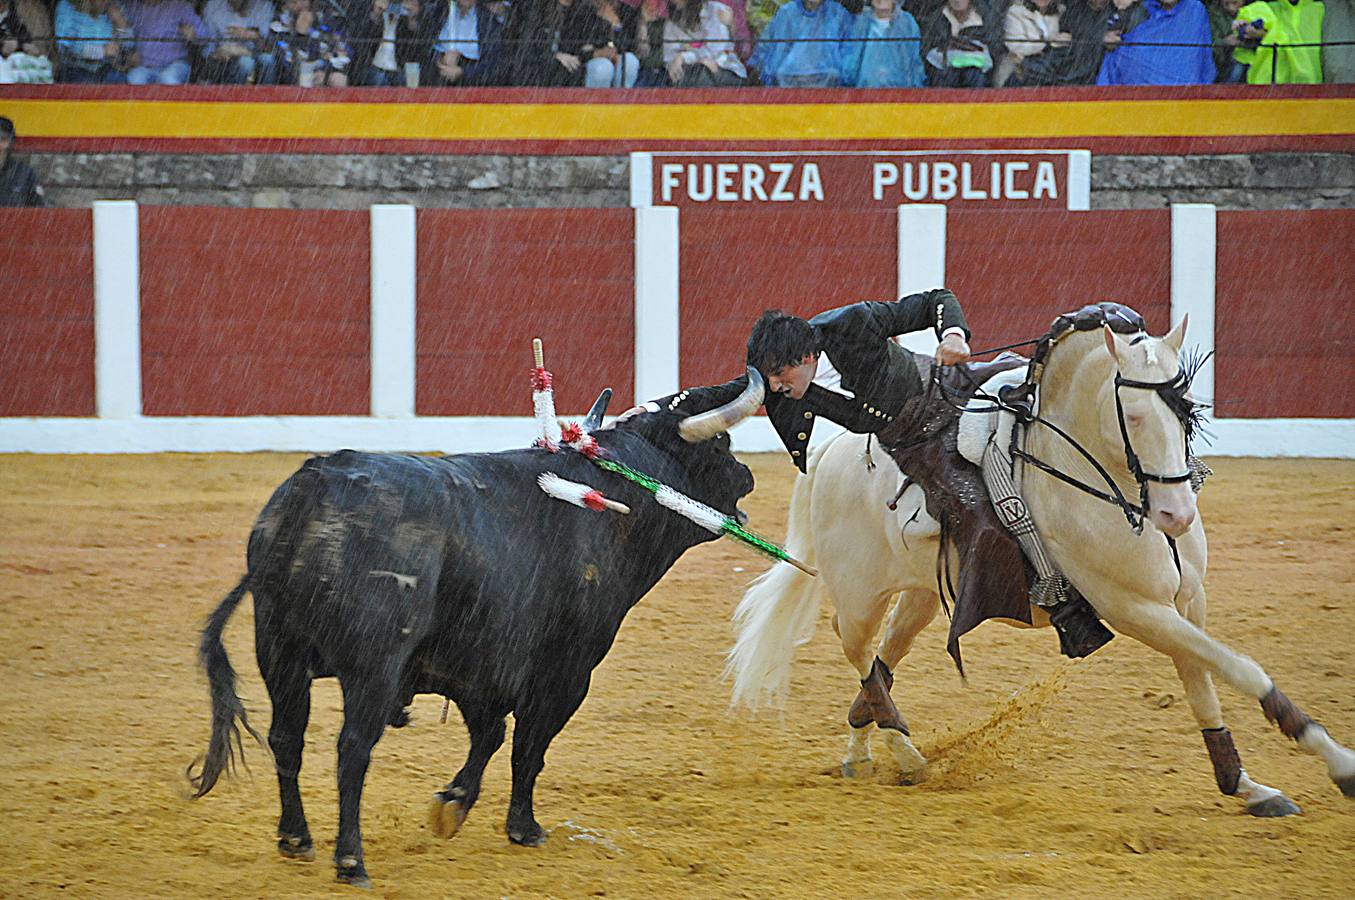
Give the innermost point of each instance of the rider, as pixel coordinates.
(883, 392)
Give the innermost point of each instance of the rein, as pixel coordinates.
(1020, 401)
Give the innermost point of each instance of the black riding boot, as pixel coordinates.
(1080, 631)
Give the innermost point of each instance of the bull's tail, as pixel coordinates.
(228, 713)
(777, 613)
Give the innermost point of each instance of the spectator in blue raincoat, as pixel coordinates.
(893, 56)
(1167, 22)
(797, 49)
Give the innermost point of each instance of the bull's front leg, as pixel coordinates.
(536, 724)
(453, 803)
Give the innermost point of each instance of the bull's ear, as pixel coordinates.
(593, 421)
(1177, 335)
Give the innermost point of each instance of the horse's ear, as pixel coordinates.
(1177, 335)
(1111, 341)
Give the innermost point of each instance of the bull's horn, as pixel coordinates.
(593, 421)
(706, 425)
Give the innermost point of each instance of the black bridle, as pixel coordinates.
(1020, 401)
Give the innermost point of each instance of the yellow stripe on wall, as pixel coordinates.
(677, 121)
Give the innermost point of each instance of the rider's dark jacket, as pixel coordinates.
(878, 373)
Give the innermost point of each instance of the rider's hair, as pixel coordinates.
(779, 339)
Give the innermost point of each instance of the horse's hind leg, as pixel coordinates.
(1161, 628)
(283, 665)
(453, 803)
(914, 612)
(856, 621)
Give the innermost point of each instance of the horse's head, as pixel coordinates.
(1153, 416)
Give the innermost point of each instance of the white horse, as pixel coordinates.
(839, 521)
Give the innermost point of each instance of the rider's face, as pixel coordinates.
(794, 380)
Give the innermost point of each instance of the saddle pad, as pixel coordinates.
(978, 422)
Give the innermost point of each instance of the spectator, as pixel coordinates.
(1226, 35)
(958, 44)
(238, 29)
(650, 21)
(168, 33)
(1087, 21)
(887, 50)
(615, 64)
(18, 185)
(22, 59)
(93, 42)
(798, 48)
(1338, 27)
(388, 36)
(1263, 48)
(470, 44)
(308, 46)
(1184, 24)
(551, 41)
(698, 48)
(1037, 48)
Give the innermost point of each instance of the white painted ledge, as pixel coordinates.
(1320, 438)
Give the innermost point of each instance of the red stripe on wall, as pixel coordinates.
(1285, 319)
(736, 263)
(254, 312)
(1016, 271)
(47, 313)
(491, 280)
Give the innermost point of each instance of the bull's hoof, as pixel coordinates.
(860, 769)
(1347, 785)
(349, 870)
(531, 835)
(297, 847)
(1274, 807)
(399, 718)
(447, 813)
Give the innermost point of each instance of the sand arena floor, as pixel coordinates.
(1048, 777)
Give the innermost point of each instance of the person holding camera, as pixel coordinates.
(1267, 34)
(392, 42)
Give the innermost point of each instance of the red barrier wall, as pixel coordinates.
(1016, 271)
(490, 281)
(254, 312)
(47, 312)
(736, 263)
(1285, 319)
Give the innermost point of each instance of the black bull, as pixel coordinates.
(457, 576)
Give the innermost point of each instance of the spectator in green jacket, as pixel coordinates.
(1227, 36)
(1264, 48)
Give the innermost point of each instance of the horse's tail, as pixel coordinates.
(777, 613)
(227, 709)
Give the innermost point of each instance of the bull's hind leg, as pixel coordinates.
(536, 722)
(452, 804)
(283, 665)
(367, 700)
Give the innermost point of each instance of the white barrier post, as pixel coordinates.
(394, 260)
(117, 310)
(1193, 263)
(922, 260)
(657, 344)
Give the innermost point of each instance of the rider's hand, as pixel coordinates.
(953, 350)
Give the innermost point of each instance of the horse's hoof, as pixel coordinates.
(294, 847)
(446, 815)
(532, 836)
(861, 769)
(351, 872)
(1347, 785)
(1274, 807)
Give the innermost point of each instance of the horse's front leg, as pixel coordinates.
(1196, 654)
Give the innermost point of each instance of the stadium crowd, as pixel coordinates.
(684, 43)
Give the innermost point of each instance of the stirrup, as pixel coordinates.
(1080, 631)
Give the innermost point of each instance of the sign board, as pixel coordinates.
(964, 179)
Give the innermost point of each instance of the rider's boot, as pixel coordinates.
(1080, 631)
